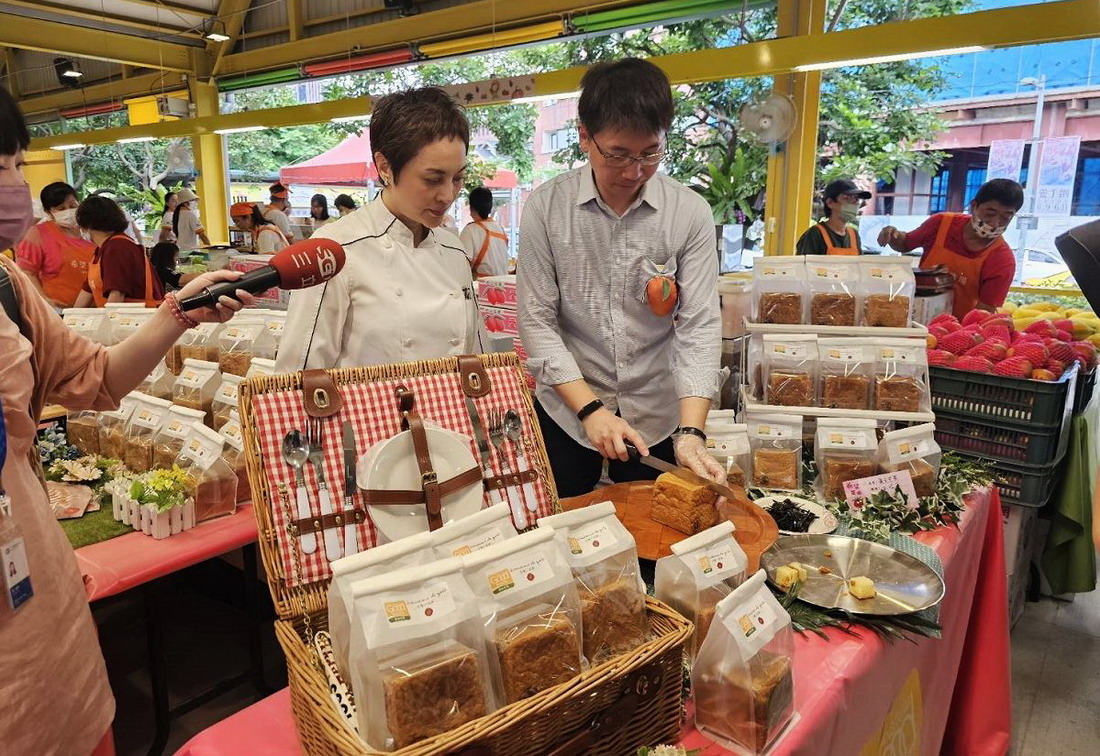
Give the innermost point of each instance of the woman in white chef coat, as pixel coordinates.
(406, 291)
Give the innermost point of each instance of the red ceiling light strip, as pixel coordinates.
(93, 110)
(360, 63)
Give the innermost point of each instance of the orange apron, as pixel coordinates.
(95, 282)
(831, 249)
(967, 270)
(267, 227)
(489, 236)
(75, 255)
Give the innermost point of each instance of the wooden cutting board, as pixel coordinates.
(754, 529)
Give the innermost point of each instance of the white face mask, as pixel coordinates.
(66, 217)
(985, 230)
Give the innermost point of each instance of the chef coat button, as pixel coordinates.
(398, 292)
(407, 343)
(387, 244)
(456, 342)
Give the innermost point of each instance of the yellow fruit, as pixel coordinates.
(1050, 315)
(1044, 306)
(1071, 311)
(1022, 323)
(1008, 308)
(1081, 330)
(1094, 339)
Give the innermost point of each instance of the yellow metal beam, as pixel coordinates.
(213, 184)
(68, 39)
(791, 166)
(317, 21)
(294, 19)
(97, 15)
(112, 91)
(232, 13)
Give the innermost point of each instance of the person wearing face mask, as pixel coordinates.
(185, 223)
(836, 234)
(277, 209)
(120, 270)
(617, 291)
(53, 253)
(49, 653)
(406, 292)
(969, 245)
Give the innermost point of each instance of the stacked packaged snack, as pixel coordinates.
(195, 387)
(159, 382)
(237, 345)
(112, 428)
(776, 443)
(129, 320)
(82, 431)
(914, 450)
(200, 343)
(847, 368)
(530, 613)
(834, 285)
(419, 665)
(113, 310)
(888, 290)
(141, 431)
(174, 359)
(742, 679)
(471, 534)
(779, 289)
(845, 449)
(346, 572)
(169, 439)
(791, 365)
(700, 572)
(89, 322)
(234, 454)
(260, 366)
(212, 483)
(901, 376)
(729, 444)
(604, 560)
(225, 399)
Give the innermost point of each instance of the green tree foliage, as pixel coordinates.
(263, 153)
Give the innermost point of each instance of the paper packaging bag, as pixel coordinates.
(195, 387)
(779, 290)
(470, 534)
(419, 666)
(834, 285)
(604, 560)
(530, 613)
(791, 366)
(844, 449)
(700, 572)
(407, 552)
(742, 679)
(212, 483)
(225, 399)
(901, 376)
(239, 342)
(201, 342)
(141, 432)
(888, 290)
(847, 368)
(776, 443)
(159, 382)
(913, 449)
(168, 442)
(89, 322)
(234, 454)
(112, 428)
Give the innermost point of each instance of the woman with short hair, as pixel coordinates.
(53, 253)
(345, 204)
(267, 237)
(120, 271)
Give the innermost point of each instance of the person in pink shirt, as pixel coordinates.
(53, 253)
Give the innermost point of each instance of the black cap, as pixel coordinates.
(844, 186)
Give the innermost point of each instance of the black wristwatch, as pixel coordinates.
(691, 431)
(588, 409)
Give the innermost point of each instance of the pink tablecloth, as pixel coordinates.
(855, 695)
(119, 564)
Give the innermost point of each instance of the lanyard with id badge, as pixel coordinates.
(13, 550)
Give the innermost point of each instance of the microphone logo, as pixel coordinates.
(327, 266)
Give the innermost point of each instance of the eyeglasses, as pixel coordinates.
(625, 161)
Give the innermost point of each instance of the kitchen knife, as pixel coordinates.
(681, 472)
(351, 544)
(495, 496)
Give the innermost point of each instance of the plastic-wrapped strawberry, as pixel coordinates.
(976, 316)
(999, 332)
(1034, 352)
(938, 331)
(958, 342)
(940, 357)
(973, 364)
(1058, 367)
(1014, 367)
(1064, 324)
(1042, 328)
(991, 350)
(1065, 336)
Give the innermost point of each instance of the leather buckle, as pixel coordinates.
(428, 479)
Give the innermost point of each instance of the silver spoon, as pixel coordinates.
(513, 429)
(296, 452)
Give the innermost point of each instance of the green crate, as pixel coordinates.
(1040, 404)
(1026, 485)
(1001, 440)
(1086, 386)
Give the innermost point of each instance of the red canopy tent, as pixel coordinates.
(349, 164)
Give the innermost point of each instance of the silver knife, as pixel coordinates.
(681, 472)
(351, 544)
(495, 496)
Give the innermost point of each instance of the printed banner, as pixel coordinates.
(1006, 158)
(1057, 171)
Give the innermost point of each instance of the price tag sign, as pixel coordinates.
(856, 491)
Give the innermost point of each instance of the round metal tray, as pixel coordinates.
(904, 584)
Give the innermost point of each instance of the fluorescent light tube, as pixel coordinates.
(74, 146)
(888, 58)
(132, 140)
(239, 129)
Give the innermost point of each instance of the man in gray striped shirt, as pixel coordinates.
(613, 365)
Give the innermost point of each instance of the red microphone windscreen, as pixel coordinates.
(308, 263)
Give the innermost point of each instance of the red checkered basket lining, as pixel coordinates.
(371, 409)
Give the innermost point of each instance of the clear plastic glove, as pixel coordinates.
(608, 432)
(691, 452)
(226, 307)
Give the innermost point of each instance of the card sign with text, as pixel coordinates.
(855, 491)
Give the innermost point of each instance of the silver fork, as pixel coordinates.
(496, 435)
(315, 438)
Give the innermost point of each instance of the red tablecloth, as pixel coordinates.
(119, 564)
(854, 695)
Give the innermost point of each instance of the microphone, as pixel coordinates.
(298, 266)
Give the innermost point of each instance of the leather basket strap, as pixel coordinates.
(429, 482)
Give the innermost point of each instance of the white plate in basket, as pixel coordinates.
(391, 466)
(825, 523)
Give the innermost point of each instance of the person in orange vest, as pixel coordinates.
(969, 245)
(120, 270)
(53, 253)
(836, 234)
(267, 238)
(484, 239)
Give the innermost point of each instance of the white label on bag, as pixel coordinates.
(900, 354)
(848, 354)
(775, 431)
(146, 417)
(912, 447)
(190, 377)
(275, 326)
(794, 351)
(176, 427)
(839, 440)
(428, 604)
(484, 540)
(592, 538)
(712, 562)
(523, 573)
(227, 392)
(231, 432)
(756, 619)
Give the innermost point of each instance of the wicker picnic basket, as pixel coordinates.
(611, 709)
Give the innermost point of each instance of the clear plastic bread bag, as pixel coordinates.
(237, 344)
(212, 483)
(82, 431)
(914, 450)
(729, 444)
(225, 399)
(776, 443)
(260, 366)
(701, 571)
(901, 376)
(405, 552)
(112, 428)
(743, 681)
(604, 560)
(113, 310)
(779, 290)
(835, 287)
(158, 383)
(419, 664)
(195, 387)
(274, 322)
(790, 370)
(478, 531)
(888, 290)
(234, 454)
(141, 431)
(89, 322)
(129, 320)
(847, 370)
(200, 342)
(845, 449)
(530, 612)
(170, 436)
